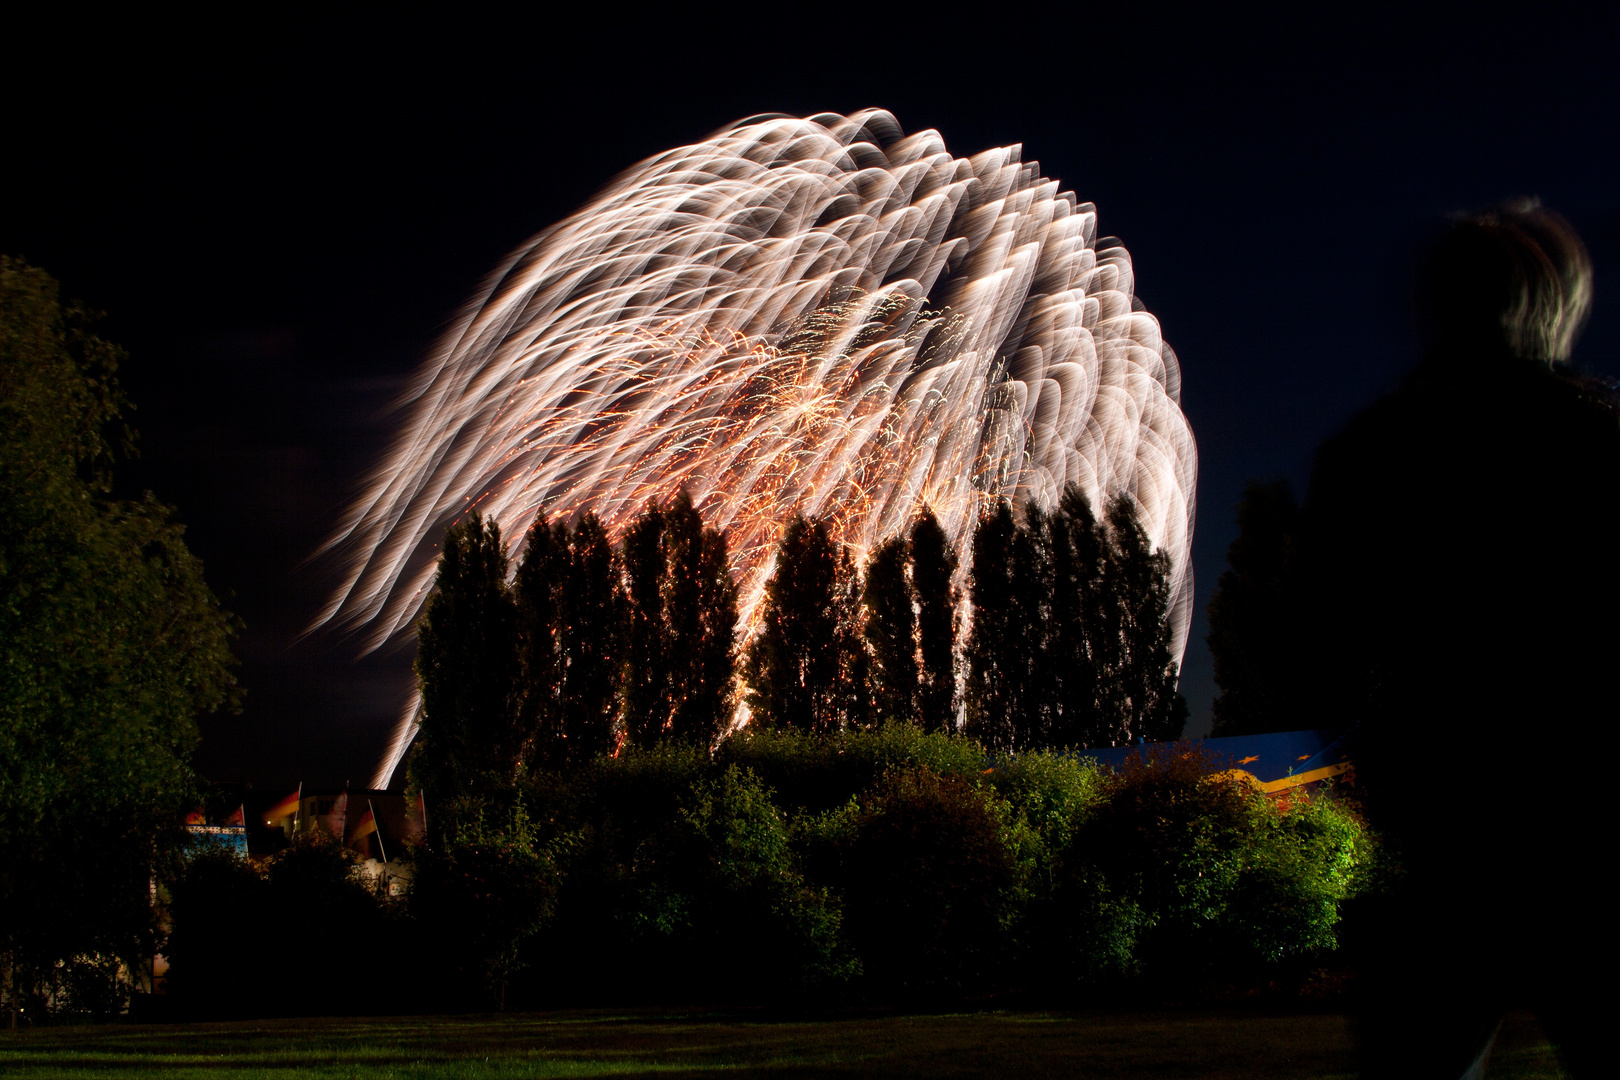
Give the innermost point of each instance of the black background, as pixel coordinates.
(279, 217)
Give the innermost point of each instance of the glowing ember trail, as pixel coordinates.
(825, 315)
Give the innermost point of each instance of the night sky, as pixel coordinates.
(279, 220)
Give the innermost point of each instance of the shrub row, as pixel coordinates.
(883, 867)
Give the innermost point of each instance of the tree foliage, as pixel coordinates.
(1071, 629)
(681, 620)
(933, 567)
(111, 645)
(571, 631)
(1255, 631)
(467, 660)
(910, 627)
(891, 633)
(804, 668)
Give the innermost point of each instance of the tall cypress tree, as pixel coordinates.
(700, 617)
(792, 667)
(1255, 630)
(467, 659)
(851, 702)
(891, 633)
(592, 611)
(538, 589)
(1142, 701)
(1029, 684)
(933, 565)
(990, 653)
(647, 666)
(1070, 652)
(680, 627)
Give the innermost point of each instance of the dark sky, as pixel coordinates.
(278, 219)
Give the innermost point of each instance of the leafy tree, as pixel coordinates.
(703, 622)
(539, 591)
(1073, 649)
(933, 870)
(910, 615)
(477, 895)
(648, 681)
(891, 627)
(993, 662)
(1140, 699)
(592, 606)
(681, 624)
(1254, 629)
(799, 667)
(1010, 587)
(467, 658)
(110, 646)
(1186, 871)
(1071, 634)
(933, 565)
(1029, 692)
(851, 700)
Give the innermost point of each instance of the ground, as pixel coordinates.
(1097, 1046)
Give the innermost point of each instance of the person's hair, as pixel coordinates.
(1515, 277)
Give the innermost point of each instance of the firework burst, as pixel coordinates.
(824, 315)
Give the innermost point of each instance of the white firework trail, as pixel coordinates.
(824, 315)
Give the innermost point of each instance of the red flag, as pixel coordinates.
(286, 808)
(238, 817)
(367, 825)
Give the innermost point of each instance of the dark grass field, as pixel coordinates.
(1090, 1045)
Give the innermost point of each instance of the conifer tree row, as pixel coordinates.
(591, 647)
(1071, 631)
(807, 667)
(586, 647)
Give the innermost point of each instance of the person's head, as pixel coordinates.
(1513, 279)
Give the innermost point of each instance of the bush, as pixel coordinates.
(246, 943)
(665, 880)
(933, 870)
(1309, 855)
(1189, 874)
(1053, 792)
(477, 897)
(815, 774)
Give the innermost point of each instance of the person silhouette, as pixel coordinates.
(1455, 548)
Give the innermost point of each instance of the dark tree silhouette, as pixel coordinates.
(891, 633)
(592, 609)
(852, 703)
(542, 578)
(933, 565)
(1255, 635)
(680, 627)
(1073, 550)
(1140, 693)
(992, 663)
(796, 669)
(467, 660)
(647, 663)
(700, 625)
(1071, 633)
(1030, 622)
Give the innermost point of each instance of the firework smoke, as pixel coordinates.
(823, 314)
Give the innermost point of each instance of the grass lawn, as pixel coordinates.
(1090, 1045)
